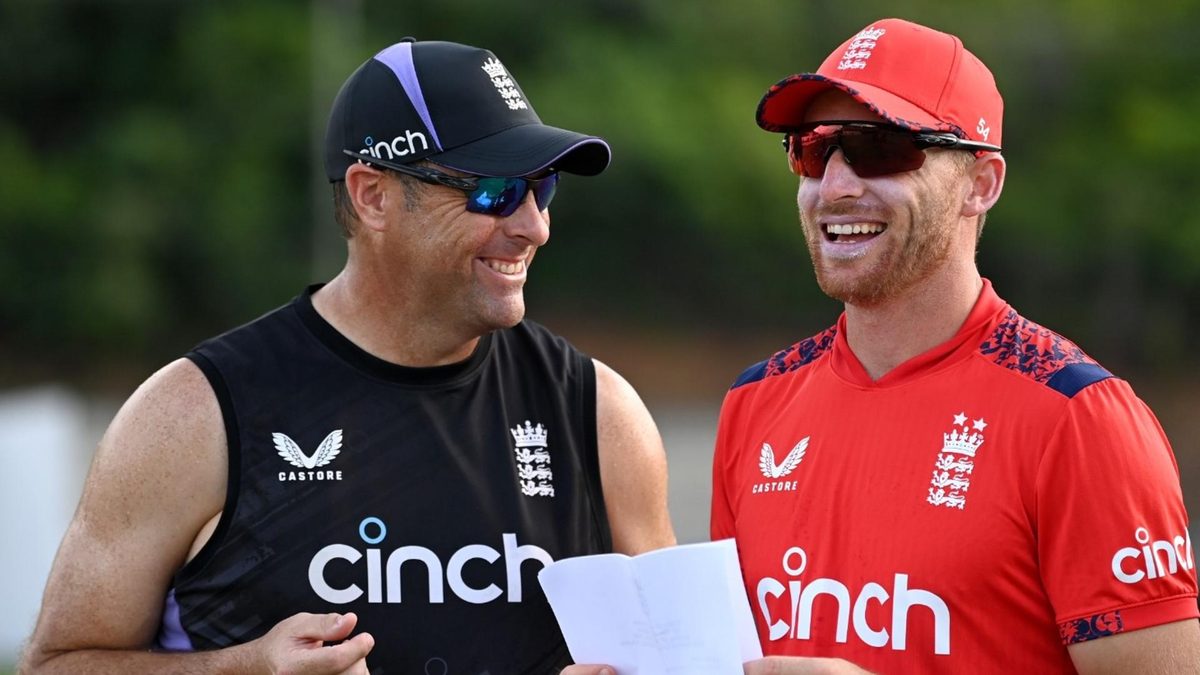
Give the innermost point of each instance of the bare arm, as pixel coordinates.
(1169, 648)
(157, 481)
(633, 467)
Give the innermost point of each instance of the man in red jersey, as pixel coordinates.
(935, 483)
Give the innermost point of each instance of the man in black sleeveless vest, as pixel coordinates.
(371, 476)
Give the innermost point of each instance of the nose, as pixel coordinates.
(528, 223)
(839, 181)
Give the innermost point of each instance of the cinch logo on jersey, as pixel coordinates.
(797, 624)
(326, 451)
(383, 578)
(766, 464)
(1153, 559)
(399, 146)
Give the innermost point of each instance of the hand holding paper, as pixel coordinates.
(675, 610)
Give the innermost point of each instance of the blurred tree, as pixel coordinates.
(157, 166)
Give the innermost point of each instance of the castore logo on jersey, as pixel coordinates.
(324, 454)
(383, 579)
(766, 464)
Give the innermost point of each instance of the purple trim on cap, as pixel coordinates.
(171, 635)
(564, 153)
(399, 58)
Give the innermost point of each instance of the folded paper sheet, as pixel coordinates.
(675, 610)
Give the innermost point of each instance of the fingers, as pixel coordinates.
(335, 627)
(797, 665)
(584, 669)
(359, 668)
(347, 657)
(298, 644)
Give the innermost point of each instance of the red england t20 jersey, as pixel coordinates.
(977, 509)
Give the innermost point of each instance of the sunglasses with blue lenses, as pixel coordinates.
(487, 195)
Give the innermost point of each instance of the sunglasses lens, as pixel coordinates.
(881, 152)
(870, 151)
(497, 196)
(503, 196)
(544, 189)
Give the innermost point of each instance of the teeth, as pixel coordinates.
(505, 267)
(855, 228)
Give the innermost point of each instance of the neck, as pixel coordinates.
(884, 335)
(379, 319)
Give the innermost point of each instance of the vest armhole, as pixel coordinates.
(234, 456)
(591, 449)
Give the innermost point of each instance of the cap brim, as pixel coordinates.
(784, 106)
(527, 149)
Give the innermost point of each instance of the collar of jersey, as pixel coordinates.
(974, 330)
(378, 368)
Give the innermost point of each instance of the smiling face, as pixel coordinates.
(465, 269)
(872, 239)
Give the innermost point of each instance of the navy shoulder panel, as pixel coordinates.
(754, 373)
(785, 361)
(1042, 355)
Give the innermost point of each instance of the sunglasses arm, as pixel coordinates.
(466, 184)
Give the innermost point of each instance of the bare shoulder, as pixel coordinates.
(633, 466)
(168, 438)
(157, 478)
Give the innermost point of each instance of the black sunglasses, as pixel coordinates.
(485, 194)
(870, 148)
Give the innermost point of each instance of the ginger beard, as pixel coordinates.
(914, 244)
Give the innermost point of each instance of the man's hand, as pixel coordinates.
(773, 665)
(798, 665)
(581, 669)
(296, 646)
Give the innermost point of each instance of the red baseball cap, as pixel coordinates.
(908, 74)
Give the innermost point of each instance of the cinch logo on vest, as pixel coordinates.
(324, 454)
(383, 580)
(1150, 556)
(397, 147)
(803, 594)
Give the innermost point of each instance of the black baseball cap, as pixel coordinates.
(456, 106)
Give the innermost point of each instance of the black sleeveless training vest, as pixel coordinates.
(423, 499)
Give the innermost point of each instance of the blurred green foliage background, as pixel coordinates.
(160, 178)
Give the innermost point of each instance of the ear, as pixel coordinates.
(368, 192)
(987, 181)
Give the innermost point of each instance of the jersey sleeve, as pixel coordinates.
(1112, 536)
(721, 520)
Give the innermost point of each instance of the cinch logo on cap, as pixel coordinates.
(397, 147)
